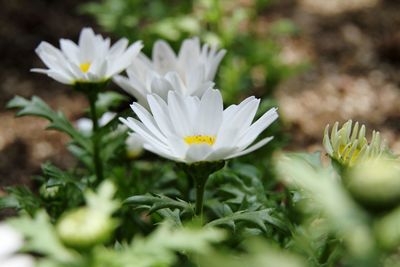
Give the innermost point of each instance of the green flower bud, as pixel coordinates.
(348, 144)
(387, 230)
(88, 226)
(85, 228)
(375, 182)
(49, 192)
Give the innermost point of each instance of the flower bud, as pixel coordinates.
(88, 226)
(134, 146)
(49, 192)
(387, 230)
(85, 227)
(375, 182)
(348, 144)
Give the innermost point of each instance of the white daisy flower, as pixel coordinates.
(191, 72)
(10, 242)
(189, 129)
(91, 60)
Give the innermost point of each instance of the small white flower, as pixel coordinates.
(189, 129)
(91, 60)
(10, 242)
(85, 125)
(191, 72)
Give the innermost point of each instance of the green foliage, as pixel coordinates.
(41, 236)
(20, 198)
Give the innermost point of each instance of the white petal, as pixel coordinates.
(176, 82)
(52, 57)
(10, 240)
(58, 76)
(237, 123)
(119, 47)
(209, 116)
(159, 152)
(213, 65)
(160, 113)
(251, 148)
(70, 49)
(164, 58)
(220, 153)
(178, 146)
(18, 261)
(145, 133)
(190, 51)
(88, 44)
(178, 113)
(132, 87)
(161, 87)
(256, 128)
(124, 60)
(197, 153)
(148, 121)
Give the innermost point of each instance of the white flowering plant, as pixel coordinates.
(167, 175)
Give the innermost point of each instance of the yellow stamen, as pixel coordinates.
(84, 67)
(199, 139)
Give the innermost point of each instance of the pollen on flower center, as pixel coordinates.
(84, 67)
(199, 139)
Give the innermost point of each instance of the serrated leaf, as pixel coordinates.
(159, 202)
(41, 236)
(58, 121)
(20, 198)
(258, 218)
(56, 177)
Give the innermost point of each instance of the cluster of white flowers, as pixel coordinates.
(10, 242)
(180, 114)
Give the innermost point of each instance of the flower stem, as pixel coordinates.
(96, 137)
(199, 172)
(200, 189)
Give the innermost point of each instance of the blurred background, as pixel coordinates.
(319, 61)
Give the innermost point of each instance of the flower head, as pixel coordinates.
(91, 60)
(10, 242)
(348, 145)
(191, 72)
(190, 129)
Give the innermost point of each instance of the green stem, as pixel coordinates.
(96, 137)
(200, 189)
(199, 172)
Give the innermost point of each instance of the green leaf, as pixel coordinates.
(158, 202)
(56, 177)
(41, 236)
(20, 198)
(160, 247)
(258, 218)
(58, 121)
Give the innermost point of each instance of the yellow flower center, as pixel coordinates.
(84, 67)
(199, 139)
(346, 157)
